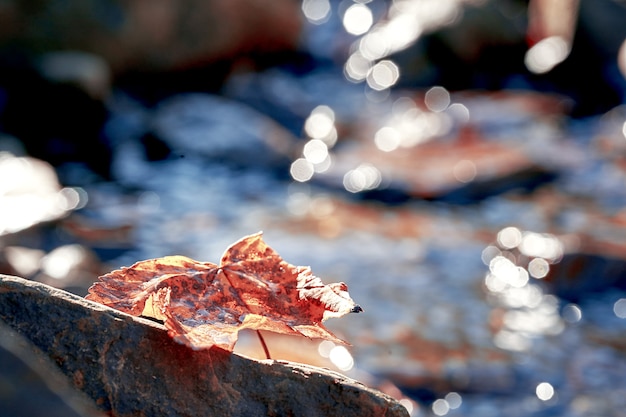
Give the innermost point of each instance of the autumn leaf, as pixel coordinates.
(204, 305)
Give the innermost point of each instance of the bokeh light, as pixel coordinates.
(315, 151)
(437, 99)
(321, 124)
(440, 407)
(541, 245)
(364, 177)
(316, 11)
(325, 347)
(459, 113)
(387, 139)
(358, 19)
(341, 358)
(619, 308)
(544, 391)
(454, 400)
(509, 237)
(572, 313)
(538, 268)
(464, 171)
(301, 170)
(528, 310)
(357, 67)
(546, 54)
(59, 262)
(32, 194)
(383, 75)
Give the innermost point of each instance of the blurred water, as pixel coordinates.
(483, 233)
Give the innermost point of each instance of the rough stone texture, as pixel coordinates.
(30, 385)
(130, 366)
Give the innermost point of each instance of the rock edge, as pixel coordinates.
(129, 366)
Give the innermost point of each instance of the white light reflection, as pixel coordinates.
(410, 126)
(529, 296)
(315, 151)
(546, 54)
(387, 139)
(325, 347)
(509, 237)
(459, 112)
(440, 407)
(489, 253)
(25, 261)
(541, 245)
(538, 268)
(357, 67)
(383, 75)
(298, 203)
(301, 170)
(619, 308)
(32, 194)
(364, 177)
(316, 11)
(341, 358)
(464, 171)
(58, 263)
(621, 64)
(437, 99)
(529, 312)
(358, 19)
(544, 391)
(454, 400)
(321, 124)
(572, 313)
(507, 272)
(514, 341)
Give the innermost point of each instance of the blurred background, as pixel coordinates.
(460, 164)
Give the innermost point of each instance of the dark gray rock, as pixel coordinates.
(30, 385)
(130, 366)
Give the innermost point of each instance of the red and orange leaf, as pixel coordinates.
(204, 305)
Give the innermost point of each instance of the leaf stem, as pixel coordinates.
(262, 340)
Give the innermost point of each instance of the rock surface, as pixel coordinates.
(130, 366)
(30, 385)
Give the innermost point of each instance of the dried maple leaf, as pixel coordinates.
(204, 305)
